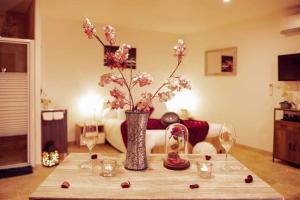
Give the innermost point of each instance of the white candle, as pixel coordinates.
(204, 169)
(108, 167)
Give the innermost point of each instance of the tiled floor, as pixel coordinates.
(285, 179)
(281, 176)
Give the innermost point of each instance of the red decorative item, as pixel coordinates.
(249, 179)
(125, 184)
(94, 156)
(177, 138)
(65, 184)
(207, 157)
(194, 186)
(174, 162)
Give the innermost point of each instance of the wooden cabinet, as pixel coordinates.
(55, 129)
(286, 139)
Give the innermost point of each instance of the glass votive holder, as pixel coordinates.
(204, 169)
(108, 167)
(96, 167)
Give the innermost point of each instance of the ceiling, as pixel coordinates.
(173, 16)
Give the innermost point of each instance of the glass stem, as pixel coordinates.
(226, 159)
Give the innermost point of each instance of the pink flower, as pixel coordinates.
(142, 79)
(145, 103)
(88, 28)
(165, 96)
(184, 83)
(118, 79)
(110, 34)
(117, 94)
(105, 79)
(179, 50)
(172, 84)
(110, 77)
(117, 103)
(110, 60)
(121, 55)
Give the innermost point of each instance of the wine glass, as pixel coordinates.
(227, 138)
(89, 138)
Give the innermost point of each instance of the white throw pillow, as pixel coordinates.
(121, 114)
(204, 148)
(109, 114)
(159, 109)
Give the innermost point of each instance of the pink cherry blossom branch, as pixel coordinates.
(98, 38)
(131, 103)
(119, 59)
(164, 84)
(130, 82)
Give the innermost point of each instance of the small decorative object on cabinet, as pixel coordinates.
(79, 131)
(286, 144)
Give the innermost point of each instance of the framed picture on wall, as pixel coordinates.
(109, 50)
(221, 62)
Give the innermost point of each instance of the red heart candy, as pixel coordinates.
(125, 184)
(94, 156)
(65, 184)
(249, 179)
(207, 157)
(194, 186)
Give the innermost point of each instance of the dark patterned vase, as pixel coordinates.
(136, 158)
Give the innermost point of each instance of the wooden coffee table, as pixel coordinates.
(154, 183)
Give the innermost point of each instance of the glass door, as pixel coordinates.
(14, 103)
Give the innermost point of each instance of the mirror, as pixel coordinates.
(221, 62)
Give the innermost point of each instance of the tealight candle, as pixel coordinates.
(108, 167)
(204, 169)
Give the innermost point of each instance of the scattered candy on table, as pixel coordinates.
(94, 156)
(207, 157)
(125, 184)
(194, 186)
(249, 179)
(65, 184)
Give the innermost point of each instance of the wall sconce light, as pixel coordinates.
(90, 105)
(183, 103)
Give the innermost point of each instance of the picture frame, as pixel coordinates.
(221, 62)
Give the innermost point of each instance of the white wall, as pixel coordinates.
(243, 100)
(72, 63)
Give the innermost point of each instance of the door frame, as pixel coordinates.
(31, 76)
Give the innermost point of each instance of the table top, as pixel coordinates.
(154, 183)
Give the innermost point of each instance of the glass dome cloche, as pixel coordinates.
(177, 139)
